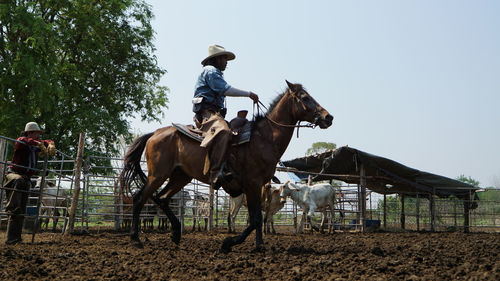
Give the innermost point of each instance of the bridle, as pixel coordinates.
(260, 105)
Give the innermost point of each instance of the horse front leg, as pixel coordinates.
(255, 213)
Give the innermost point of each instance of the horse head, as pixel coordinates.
(306, 108)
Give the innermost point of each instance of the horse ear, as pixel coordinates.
(275, 179)
(290, 85)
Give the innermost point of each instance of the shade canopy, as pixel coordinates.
(382, 175)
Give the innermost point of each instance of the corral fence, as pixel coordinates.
(100, 205)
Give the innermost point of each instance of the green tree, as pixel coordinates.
(468, 180)
(78, 65)
(319, 147)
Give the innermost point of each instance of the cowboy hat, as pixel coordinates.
(217, 50)
(32, 127)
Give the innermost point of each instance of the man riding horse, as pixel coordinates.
(209, 106)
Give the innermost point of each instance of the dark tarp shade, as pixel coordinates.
(382, 175)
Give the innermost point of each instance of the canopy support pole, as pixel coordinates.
(402, 218)
(467, 204)
(432, 210)
(385, 211)
(418, 212)
(362, 198)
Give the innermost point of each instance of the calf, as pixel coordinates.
(310, 199)
(201, 209)
(270, 205)
(55, 201)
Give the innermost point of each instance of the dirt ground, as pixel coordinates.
(339, 256)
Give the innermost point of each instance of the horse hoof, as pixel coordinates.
(224, 250)
(138, 244)
(226, 246)
(176, 239)
(259, 249)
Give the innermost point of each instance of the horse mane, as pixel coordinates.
(273, 104)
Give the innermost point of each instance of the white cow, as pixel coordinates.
(310, 199)
(55, 202)
(270, 204)
(201, 210)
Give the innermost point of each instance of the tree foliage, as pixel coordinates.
(78, 65)
(468, 180)
(319, 147)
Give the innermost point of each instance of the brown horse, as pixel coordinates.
(173, 156)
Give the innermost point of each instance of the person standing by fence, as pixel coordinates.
(27, 149)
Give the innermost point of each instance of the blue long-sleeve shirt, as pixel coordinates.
(210, 86)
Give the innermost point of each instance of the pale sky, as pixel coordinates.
(414, 81)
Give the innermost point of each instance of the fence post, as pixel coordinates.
(76, 191)
(402, 218)
(40, 196)
(418, 212)
(362, 198)
(3, 145)
(2, 159)
(467, 213)
(211, 210)
(385, 211)
(432, 208)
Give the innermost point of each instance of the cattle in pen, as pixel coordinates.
(270, 205)
(310, 199)
(54, 204)
(201, 210)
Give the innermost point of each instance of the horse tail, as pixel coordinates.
(132, 171)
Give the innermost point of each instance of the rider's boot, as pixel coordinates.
(221, 177)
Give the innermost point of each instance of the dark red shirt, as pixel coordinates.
(26, 155)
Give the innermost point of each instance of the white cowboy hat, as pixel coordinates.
(32, 127)
(217, 50)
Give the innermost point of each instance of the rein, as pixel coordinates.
(260, 104)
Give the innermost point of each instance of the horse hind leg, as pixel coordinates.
(140, 199)
(177, 181)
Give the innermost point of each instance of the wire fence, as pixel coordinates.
(101, 205)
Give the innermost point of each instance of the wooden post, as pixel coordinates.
(455, 214)
(76, 192)
(467, 204)
(432, 211)
(402, 218)
(363, 198)
(3, 145)
(181, 209)
(216, 209)
(211, 210)
(385, 211)
(118, 206)
(418, 212)
(40, 196)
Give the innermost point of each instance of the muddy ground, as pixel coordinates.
(340, 256)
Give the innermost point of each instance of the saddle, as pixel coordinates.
(240, 127)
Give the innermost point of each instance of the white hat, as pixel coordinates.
(216, 50)
(32, 127)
